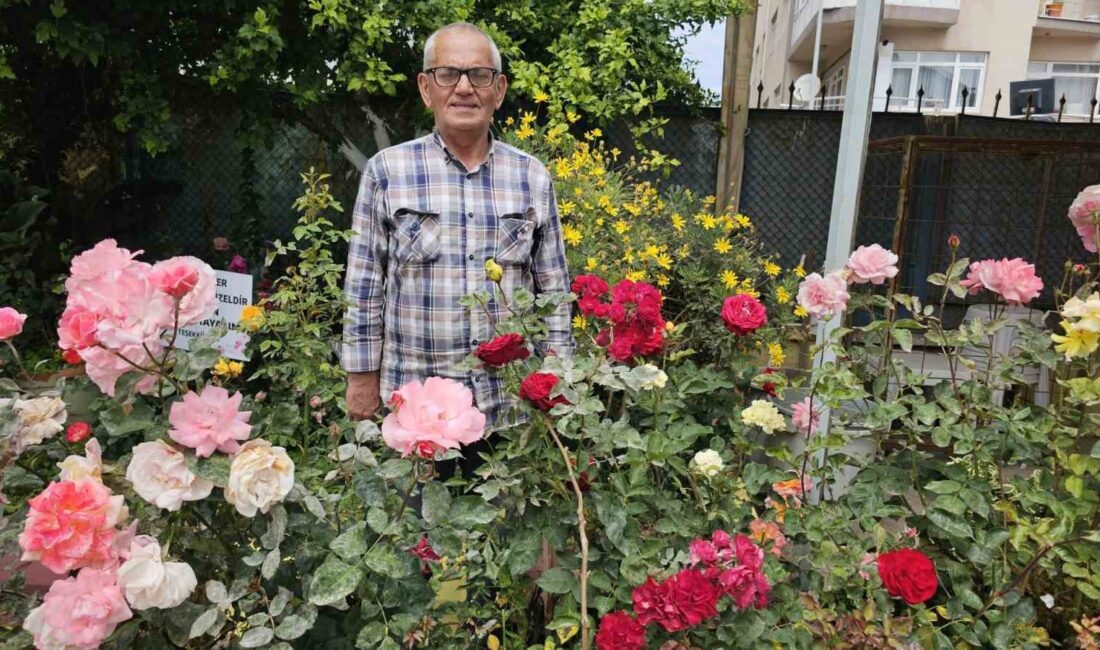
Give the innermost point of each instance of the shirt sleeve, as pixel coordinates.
(364, 283)
(550, 273)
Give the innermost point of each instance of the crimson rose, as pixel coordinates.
(684, 600)
(909, 574)
(536, 388)
(503, 350)
(619, 631)
(743, 314)
(590, 289)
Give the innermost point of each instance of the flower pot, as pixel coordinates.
(1054, 9)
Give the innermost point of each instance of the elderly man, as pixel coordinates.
(430, 213)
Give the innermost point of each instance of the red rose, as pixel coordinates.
(78, 431)
(908, 574)
(619, 631)
(684, 600)
(748, 554)
(503, 350)
(743, 314)
(703, 551)
(590, 289)
(71, 357)
(536, 388)
(424, 551)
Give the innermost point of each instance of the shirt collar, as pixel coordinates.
(449, 157)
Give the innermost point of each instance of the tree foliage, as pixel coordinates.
(140, 65)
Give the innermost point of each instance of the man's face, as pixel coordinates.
(463, 107)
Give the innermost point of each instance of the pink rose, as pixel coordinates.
(78, 613)
(748, 554)
(104, 259)
(202, 301)
(872, 264)
(176, 276)
(104, 367)
(11, 323)
(743, 314)
(805, 419)
(438, 414)
(77, 328)
(209, 420)
(238, 265)
(1084, 213)
(703, 551)
(71, 524)
(1013, 279)
(823, 296)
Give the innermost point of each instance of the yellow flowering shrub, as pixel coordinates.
(618, 223)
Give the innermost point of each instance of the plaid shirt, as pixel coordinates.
(424, 226)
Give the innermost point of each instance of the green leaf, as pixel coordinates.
(950, 523)
(333, 581)
(351, 544)
(297, 624)
(943, 487)
(377, 519)
(118, 422)
(394, 468)
(904, 339)
(471, 511)
(204, 622)
(436, 503)
(256, 637)
(557, 581)
(214, 469)
(370, 635)
(950, 503)
(271, 564)
(383, 560)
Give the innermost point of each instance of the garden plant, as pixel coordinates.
(688, 478)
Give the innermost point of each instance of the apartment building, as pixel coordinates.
(940, 46)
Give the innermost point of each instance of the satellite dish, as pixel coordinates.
(806, 88)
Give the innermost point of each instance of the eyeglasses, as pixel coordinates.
(448, 77)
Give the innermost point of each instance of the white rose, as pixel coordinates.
(148, 581)
(652, 376)
(90, 465)
(260, 476)
(160, 475)
(763, 414)
(39, 418)
(708, 463)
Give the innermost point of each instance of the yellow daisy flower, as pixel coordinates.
(541, 97)
(723, 246)
(782, 296)
(590, 264)
(571, 234)
(801, 312)
(664, 260)
(678, 222)
(709, 221)
(771, 269)
(227, 369)
(621, 226)
(566, 208)
(579, 322)
(635, 276)
(743, 221)
(799, 271)
(662, 280)
(776, 354)
(729, 278)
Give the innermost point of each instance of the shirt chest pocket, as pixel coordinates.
(515, 237)
(416, 236)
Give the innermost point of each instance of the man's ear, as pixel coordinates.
(425, 95)
(502, 87)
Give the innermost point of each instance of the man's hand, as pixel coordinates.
(362, 395)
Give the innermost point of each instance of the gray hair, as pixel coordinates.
(429, 45)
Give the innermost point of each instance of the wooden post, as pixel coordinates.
(736, 98)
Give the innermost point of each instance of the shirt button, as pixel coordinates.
(474, 342)
(470, 215)
(471, 257)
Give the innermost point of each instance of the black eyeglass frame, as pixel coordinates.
(461, 73)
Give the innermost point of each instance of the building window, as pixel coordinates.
(1077, 81)
(942, 75)
(834, 89)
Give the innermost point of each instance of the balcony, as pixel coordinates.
(1069, 18)
(839, 16)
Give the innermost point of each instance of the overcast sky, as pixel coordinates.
(706, 49)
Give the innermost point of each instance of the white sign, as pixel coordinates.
(234, 291)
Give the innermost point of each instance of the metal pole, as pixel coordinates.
(854, 129)
(817, 37)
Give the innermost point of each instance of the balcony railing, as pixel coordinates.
(1082, 10)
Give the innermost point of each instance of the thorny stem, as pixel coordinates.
(18, 359)
(581, 525)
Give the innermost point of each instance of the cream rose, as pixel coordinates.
(763, 414)
(708, 463)
(39, 418)
(259, 477)
(90, 465)
(160, 475)
(148, 581)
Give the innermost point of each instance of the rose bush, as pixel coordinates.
(649, 493)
